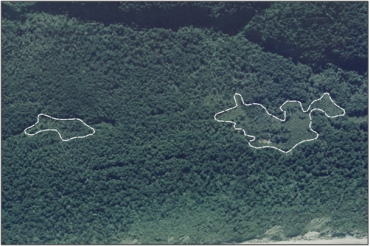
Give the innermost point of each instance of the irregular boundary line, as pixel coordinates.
(55, 130)
(283, 120)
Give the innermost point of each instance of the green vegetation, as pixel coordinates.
(314, 33)
(67, 128)
(284, 133)
(159, 168)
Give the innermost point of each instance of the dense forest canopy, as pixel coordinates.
(149, 77)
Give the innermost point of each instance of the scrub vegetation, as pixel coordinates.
(149, 77)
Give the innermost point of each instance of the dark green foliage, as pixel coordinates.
(228, 17)
(159, 168)
(315, 33)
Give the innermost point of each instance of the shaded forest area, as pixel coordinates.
(314, 34)
(149, 77)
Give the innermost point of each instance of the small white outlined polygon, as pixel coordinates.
(55, 130)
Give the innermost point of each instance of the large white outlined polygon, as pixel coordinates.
(55, 130)
(282, 120)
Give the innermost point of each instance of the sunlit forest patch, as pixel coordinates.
(281, 133)
(67, 129)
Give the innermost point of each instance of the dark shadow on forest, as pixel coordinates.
(221, 17)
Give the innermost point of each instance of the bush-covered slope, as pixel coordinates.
(160, 169)
(315, 33)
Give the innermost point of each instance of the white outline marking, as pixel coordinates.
(55, 130)
(283, 120)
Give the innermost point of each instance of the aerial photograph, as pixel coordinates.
(184, 122)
